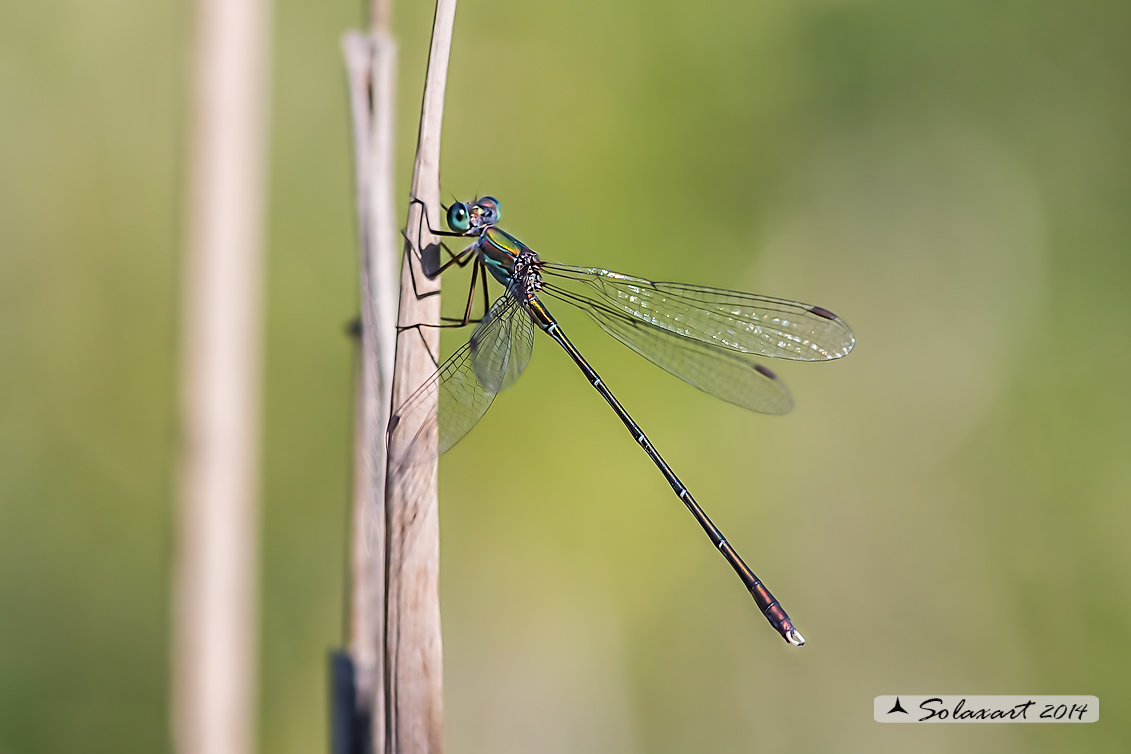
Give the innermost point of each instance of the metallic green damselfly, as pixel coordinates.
(707, 337)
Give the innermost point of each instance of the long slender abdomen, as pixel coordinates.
(766, 601)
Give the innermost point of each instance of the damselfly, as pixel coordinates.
(705, 336)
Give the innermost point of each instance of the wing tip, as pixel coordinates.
(785, 403)
(765, 372)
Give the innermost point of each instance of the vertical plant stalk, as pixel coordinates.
(413, 648)
(367, 562)
(395, 619)
(371, 69)
(214, 643)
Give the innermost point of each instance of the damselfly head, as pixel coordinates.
(473, 217)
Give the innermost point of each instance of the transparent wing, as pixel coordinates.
(734, 377)
(743, 322)
(500, 354)
(499, 349)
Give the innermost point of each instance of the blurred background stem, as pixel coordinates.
(215, 625)
(371, 70)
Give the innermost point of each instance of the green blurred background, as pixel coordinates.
(945, 511)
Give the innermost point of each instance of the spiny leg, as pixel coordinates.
(461, 260)
(448, 322)
(470, 298)
(486, 294)
(480, 269)
(467, 319)
(425, 222)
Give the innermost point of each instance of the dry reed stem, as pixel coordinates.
(214, 646)
(370, 67)
(395, 619)
(414, 684)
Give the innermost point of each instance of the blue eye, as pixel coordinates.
(458, 218)
(490, 207)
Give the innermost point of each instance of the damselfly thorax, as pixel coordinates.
(510, 261)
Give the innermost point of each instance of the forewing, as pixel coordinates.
(733, 377)
(736, 321)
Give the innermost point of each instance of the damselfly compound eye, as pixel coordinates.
(490, 207)
(458, 218)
